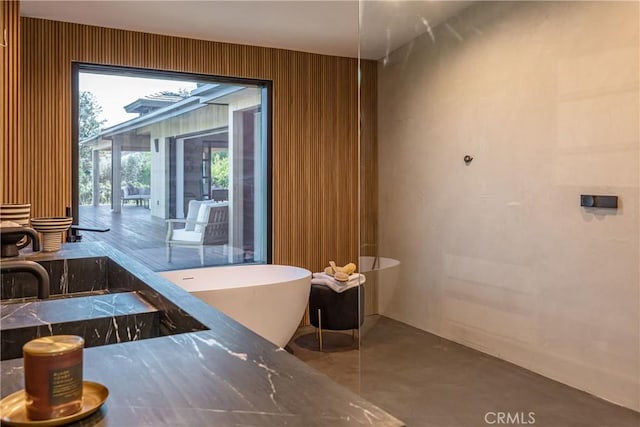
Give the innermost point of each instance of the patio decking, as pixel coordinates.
(141, 236)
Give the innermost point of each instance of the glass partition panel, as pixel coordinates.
(499, 126)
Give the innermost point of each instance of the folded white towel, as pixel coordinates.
(324, 279)
(354, 276)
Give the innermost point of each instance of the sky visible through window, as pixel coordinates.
(114, 92)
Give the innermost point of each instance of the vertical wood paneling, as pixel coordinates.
(12, 189)
(369, 173)
(368, 159)
(315, 125)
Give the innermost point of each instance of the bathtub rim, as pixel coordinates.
(195, 275)
(384, 263)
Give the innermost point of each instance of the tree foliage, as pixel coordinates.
(89, 113)
(136, 169)
(220, 169)
(89, 124)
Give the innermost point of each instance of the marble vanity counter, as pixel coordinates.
(223, 376)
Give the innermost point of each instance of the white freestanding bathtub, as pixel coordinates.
(268, 299)
(383, 277)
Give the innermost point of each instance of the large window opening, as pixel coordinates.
(176, 165)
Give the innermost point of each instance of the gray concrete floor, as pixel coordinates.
(426, 380)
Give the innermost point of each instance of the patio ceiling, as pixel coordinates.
(129, 142)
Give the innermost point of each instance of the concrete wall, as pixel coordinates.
(498, 254)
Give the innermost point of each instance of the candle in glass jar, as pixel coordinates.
(53, 376)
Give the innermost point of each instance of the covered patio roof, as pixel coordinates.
(199, 98)
(130, 142)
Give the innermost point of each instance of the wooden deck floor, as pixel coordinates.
(141, 236)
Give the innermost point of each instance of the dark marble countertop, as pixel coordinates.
(224, 376)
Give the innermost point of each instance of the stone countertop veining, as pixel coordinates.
(226, 375)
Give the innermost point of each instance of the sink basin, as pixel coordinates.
(100, 320)
(66, 277)
(94, 298)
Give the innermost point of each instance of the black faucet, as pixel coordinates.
(23, 266)
(10, 236)
(73, 233)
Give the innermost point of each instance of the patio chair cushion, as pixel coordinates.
(192, 214)
(186, 236)
(131, 190)
(203, 216)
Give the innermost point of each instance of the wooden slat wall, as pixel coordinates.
(315, 125)
(12, 188)
(369, 174)
(369, 159)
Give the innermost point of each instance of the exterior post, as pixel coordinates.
(116, 175)
(236, 213)
(95, 174)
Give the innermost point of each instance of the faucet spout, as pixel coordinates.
(10, 236)
(23, 266)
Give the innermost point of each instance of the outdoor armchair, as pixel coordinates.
(207, 224)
